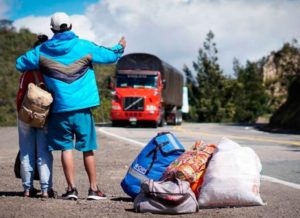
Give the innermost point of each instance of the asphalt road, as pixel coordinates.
(118, 148)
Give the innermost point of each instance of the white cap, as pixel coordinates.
(59, 19)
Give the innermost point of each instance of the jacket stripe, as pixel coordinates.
(66, 73)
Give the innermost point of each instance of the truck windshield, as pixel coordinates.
(136, 81)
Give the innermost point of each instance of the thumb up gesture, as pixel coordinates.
(122, 42)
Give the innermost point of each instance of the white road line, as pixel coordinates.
(264, 177)
(120, 137)
(279, 181)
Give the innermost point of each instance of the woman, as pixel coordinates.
(33, 146)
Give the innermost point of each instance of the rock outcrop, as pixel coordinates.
(281, 73)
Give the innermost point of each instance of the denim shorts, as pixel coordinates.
(72, 129)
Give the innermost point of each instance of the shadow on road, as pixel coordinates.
(11, 194)
(268, 128)
(124, 199)
(264, 127)
(130, 210)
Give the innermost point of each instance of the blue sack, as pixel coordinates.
(152, 162)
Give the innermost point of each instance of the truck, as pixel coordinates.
(146, 90)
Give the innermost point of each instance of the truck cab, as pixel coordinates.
(139, 91)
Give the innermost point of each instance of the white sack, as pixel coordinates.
(232, 177)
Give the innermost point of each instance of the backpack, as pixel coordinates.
(152, 161)
(36, 105)
(17, 168)
(166, 197)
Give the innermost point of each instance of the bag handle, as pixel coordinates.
(36, 78)
(158, 147)
(171, 138)
(155, 150)
(38, 82)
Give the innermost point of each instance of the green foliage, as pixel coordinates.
(217, 98)
(6, 25)
(207, 99)
(288, 115)
(287, 61)
(250, 97)
(12, 44)
(103, 74)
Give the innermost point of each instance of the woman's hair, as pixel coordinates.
(40, 39)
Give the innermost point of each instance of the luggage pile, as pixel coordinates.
(166, 179)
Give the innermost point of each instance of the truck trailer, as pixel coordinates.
(146, 90)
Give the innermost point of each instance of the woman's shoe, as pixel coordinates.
(30, 193)
(52, 193)
(49, 194)
(44, 196)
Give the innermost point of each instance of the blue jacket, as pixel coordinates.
(66, 64)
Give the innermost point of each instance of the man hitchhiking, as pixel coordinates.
(66, 64)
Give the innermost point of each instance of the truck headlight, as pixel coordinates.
(151, 108)
(116, 107)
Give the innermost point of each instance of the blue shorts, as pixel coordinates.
(63, 127)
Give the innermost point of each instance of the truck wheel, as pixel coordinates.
(162, 122)
(116, 123)
(154, 124)
(178, 118)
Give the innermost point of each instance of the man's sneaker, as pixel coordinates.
(70, 194)
(96, 195)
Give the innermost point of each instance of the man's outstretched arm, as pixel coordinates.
(102, 54)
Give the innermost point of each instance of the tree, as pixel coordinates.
(250, 97)
(207, 99)
(6, 25)
(287, 62)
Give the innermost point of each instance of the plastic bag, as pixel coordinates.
(232, 177)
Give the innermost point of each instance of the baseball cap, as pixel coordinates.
(59, 19)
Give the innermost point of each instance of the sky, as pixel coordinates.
(174, 30)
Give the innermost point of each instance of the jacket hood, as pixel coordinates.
(61, 43)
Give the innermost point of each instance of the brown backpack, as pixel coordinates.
(36, 104)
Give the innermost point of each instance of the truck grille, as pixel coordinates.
(133, 104)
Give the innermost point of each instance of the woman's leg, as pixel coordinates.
(44, 160)
(27, 154)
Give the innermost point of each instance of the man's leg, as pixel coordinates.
(90, 167)
(86, 142)
(61, 137)
(68, 167)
